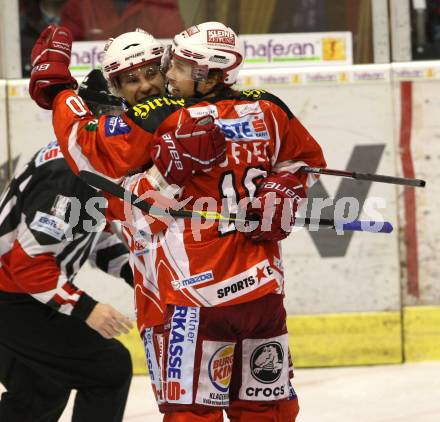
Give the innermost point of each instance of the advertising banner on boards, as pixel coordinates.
(261, 51)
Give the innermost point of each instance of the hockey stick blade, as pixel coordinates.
(106, 185)
(418, 183)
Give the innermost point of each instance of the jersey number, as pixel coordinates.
(230, 195)
(76, 104)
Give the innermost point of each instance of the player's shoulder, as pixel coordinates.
(49, 164)
(48, 172)
(152, 112)
(50, 157)
(261, 95)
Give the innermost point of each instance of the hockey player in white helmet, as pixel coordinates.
(213, 54)
(226, 313)
(131, 66)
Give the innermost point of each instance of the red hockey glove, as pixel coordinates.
(50, 65)
(275, 206)
(196, 145)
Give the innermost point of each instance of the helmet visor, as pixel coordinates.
(183, 68)
(148, 71)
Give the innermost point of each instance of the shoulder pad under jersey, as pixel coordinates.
(152, 112)
(261, 94)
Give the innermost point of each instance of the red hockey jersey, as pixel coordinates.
(188, 264)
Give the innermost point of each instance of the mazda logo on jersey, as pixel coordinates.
(193, 280)
(267, 362)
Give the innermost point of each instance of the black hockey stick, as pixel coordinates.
(366, 176)
(108, 186)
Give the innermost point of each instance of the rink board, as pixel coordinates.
(364, 276)
(425, 149)
(421, 333)
(4, 159)
(325, 340)
(345, 339)
(354, 272)
(30, 125)
(348, 339)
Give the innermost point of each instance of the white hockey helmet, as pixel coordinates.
(210, 45)
(129, 51)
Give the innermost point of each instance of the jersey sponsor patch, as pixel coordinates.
(250, 108)
(153, 363)
(193, 280)
(240, 284)
(49, 224)
(115, 125)
(265, 369)
(267, 362)
(51, 151)
(181, 351)
(215, 373)
(143, 110)
(220, 36)
(255, 94)
(140, 243)
(192, 30)
(250, 127)
(210, 110)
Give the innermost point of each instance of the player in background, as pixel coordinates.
(54, 337)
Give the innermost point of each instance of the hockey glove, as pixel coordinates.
(275, 206)
(196, 145)
(50, 65)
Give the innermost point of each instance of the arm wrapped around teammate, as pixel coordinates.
(50, 65)
(275, 206)
(196, 145)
